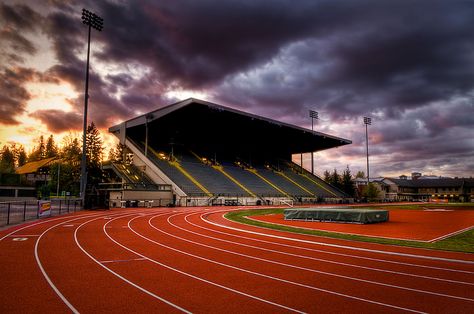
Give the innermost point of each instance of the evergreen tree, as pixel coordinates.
(94, 153)
(347, 182)
(51, 149)
(69, 167)
(335, 179)
(7, 160)
(20, 156)
(327, 176)
(116, 154)
(71, 152)
(39, 152)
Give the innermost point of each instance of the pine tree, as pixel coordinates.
(69, 167)
(327, 176)
(116, 153)
(20, 156)
(38, 152)
(51, 149)
(94, 153)
(335, 180)
(7, 160)
(347, 182)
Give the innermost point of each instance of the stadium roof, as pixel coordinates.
(206, 126)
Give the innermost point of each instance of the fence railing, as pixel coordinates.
(13, 212)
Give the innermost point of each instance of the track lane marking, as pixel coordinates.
(319, 259)
(43, 271)
(117, 274)
(312, 270)
(268, 276)
(196, 277)
(340, 246)
(326, 251)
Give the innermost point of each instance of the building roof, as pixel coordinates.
(32, 167)
(430, 183)
(212, 127)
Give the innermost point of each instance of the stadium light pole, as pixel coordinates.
(92, 21)
(367, 122)
(313, 115)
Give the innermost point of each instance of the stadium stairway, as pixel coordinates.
(132, 175)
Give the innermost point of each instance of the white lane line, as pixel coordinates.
(120, 276)
(45, 275)
(452, 234)
(321, 259)
(263, 275)
(43, 222)
(339, 246)
(313, 270)
(329, 252)
(196, 277)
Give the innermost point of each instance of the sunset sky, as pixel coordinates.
(407, 64)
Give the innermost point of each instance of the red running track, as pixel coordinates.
(195, 260)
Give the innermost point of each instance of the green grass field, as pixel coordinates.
(463, 242)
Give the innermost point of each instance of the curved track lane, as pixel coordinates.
(194, 260)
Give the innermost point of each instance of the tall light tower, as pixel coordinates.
(367, 121)
(93, 21)
(313, 115)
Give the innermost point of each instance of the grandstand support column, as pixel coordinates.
(92, 21)
(301, 162)
(148, 118)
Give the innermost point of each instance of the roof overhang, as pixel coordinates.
(199, 123)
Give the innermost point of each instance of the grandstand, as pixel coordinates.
(210, 154)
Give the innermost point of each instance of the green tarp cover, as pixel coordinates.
(347, 215)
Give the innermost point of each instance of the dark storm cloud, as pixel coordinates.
(13, 96)
(408, 64)
(18, 43)
(20, 17)
(58, 120)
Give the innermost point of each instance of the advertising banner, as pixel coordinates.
(44, 208)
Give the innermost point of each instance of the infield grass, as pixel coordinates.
(463, 242)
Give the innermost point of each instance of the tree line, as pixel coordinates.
(346, 183)
(66, 167)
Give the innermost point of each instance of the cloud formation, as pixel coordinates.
(408, 65)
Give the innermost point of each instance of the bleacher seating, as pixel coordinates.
(212, 179)
(287, 182)
(252, 182)
(286, 185)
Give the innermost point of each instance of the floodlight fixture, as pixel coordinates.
(96, 22)
(93, 20)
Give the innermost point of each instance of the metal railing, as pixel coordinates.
(14, 212)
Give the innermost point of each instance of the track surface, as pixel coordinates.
(417, 225)
(194, 260)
